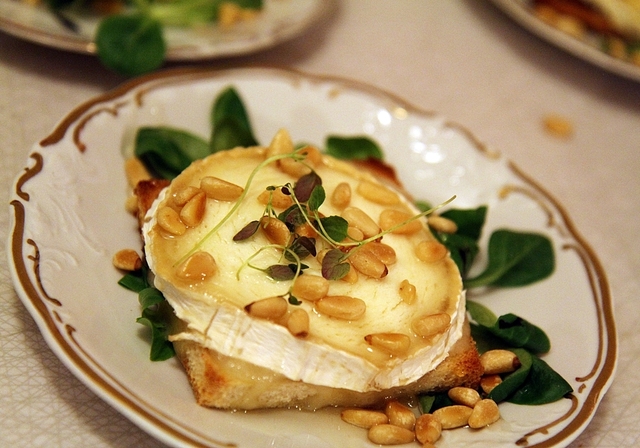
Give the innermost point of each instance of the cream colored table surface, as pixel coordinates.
(462, 58)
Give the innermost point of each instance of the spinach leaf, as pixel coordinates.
(512, 382)
(353, 148)
(167, 151)
(161, 348)
(543, 385)
(130, 44)
(469, 221)
(515, 259)
(230, 122)
(463, 245)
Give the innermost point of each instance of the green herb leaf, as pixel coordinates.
(306, 185)
(294, 300)
(247, 231)
(335, 227)
(520, 333)
(353, 148)
(280, 272)
(333, 267)
(149, 297)
(130, 44)
(292, 217)
(463, 245)
(161, 348)
(512, 382)
(166, 151)
(230, 122)
(543, 385)
(317, 198)
(481, 314)
(136, 281)
(515, 259)
(469, 221)
(302, 246)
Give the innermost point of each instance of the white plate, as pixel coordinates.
(589, 50)
(280, 20)
(68, 219)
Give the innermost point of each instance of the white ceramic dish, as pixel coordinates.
(279, 21)
(68, 219)
(520, 11)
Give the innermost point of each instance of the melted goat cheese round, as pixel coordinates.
(335, 352)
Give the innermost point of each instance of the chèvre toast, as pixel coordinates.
(299, 280)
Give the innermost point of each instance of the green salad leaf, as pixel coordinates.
(230, 122)
(353, 148)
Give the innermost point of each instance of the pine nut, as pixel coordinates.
(131, 204)
(359, 219)
(293, 167)
(310, 287)
(280, 144)
(193, 211)
(453, 416)
(363, 418)
(352, 275)
(377, 193)
(127, 260)
(341, 196)
(341, 307)
(181, 197)
(169, 220)
(307, 230)
(407, 292)
(442, 224)
(269, 308)
(198, 267)
(400, 415)
(135, 171)
(278, 198)
(366, 263)
(354, 234)
(393, 343)
(431, 325)
(390, 218)
(430, 251)
(275, 230)
(499, 361)
(485, 412)
(489, 382)
(428, 428)
(220, 189)
(381, 251)
(386, 434)
(298, 323)
(464, 395)
(312, 155)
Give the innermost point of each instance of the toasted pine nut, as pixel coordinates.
(220, 189)
(278, 198)
(269, 308)
(428, 428)
(135, 171)
(341, 307)
(381, 251)
(431, 325)
(281, 143)
(310, 287)
(352, 275)
(390, 218)
(127, 259)
(363, 418)
(298, 323)
(359, 219)
(182, 196)
(485, 412)
(377, 193)
(392, 343)
(430, 251)
(341, 196)
(306, 229)
(293, 167)
(131, 204)
(558, 126)
(407, 292)
(229, 13)
(453, 416)
(386, 434)
(464, 395)
(442, 224)
(313, 156)
(169, 220)
(367, 264)
(499, 361)
(198, 266)
(400, 415)
(489, 382)
(354, 234)
(275, 230)
(193, 211)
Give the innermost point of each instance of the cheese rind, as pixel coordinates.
(335, 352)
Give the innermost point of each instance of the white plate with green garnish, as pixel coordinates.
(68, 219)
(190, 33)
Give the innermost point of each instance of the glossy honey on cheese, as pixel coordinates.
(402, 322)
